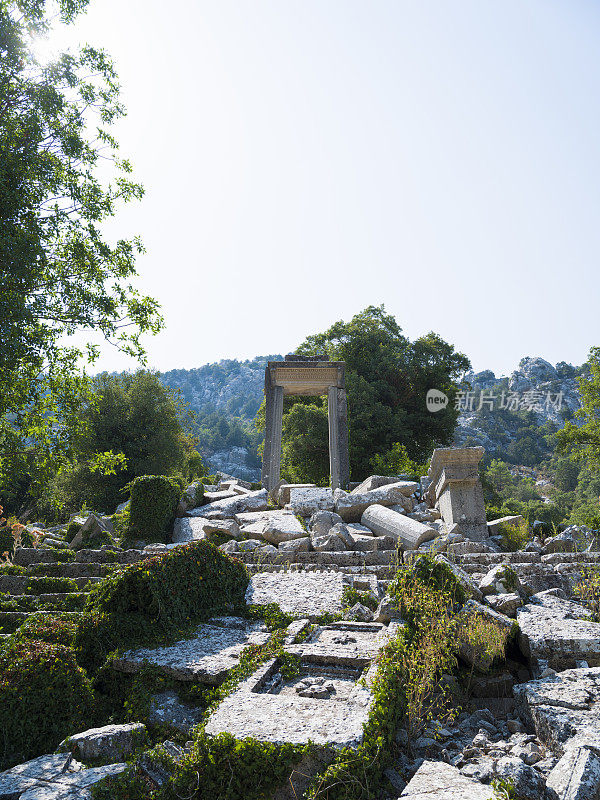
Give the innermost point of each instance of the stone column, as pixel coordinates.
(271, 464)
(339, 461)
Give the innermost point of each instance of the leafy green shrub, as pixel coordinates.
(72, 530)
(514, 537)
(50, 585)
(7, 542)
(485, 640)
(352, 596)
(272, 615)
(588, 589)
(154, 499)
(194, 465)
(44, 697)
(157, 597)
(397, 462)
(229, 769)
(428, 576)
(584, 513)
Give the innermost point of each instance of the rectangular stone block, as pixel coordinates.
(351, 506)
(435, 780)
(306, 501)
(307, 594)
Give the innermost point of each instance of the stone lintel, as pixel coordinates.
(312, 378)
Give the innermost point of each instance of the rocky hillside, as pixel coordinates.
(225, 397)
(509, 415)
(512, 415)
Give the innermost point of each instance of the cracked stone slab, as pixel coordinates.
(559, 632)
(577, 775)
(56, 776)
(307, 594)
(230, 507)
(206, 657)
(436, 780)
(563, 708)
(110, 742)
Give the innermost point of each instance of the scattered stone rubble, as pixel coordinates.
(536, 722)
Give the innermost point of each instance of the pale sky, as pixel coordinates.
(306, 158)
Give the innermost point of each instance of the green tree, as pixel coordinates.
(136, 416)
(387, 378)
(61, 177)
(583, 441)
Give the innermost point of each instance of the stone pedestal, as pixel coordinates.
(456, 490)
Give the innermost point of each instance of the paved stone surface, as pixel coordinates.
(206, 657)
(435, 780)
(558, 631)
(304, 593)
(564, 708)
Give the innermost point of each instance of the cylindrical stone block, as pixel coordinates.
(407, 532)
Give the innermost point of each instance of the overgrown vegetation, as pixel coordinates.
(154, 499)
(158, 598)
(44, 697)
(61, 179)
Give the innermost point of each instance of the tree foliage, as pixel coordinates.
(61, 178)
(133, 415)
(583, 441)
(387, 379)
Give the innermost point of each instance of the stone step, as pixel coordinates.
(491, 559)
(24, 556)
(112, 556)
(17, 584)
(571, 558)
(72, 569)
(381, 573)
(11, 620)
(348, 558)
(48, 597)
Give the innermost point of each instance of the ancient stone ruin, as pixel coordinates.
(532, 721)
(313, 376)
